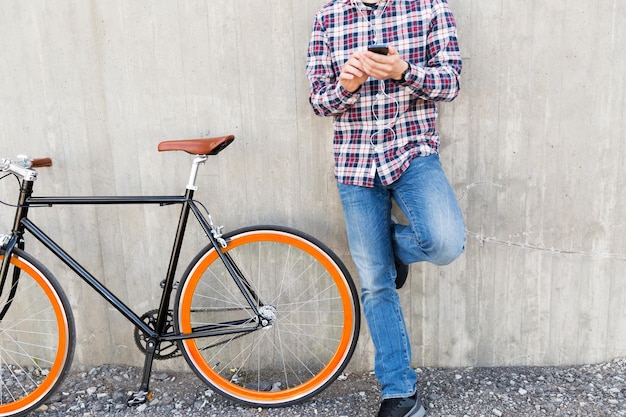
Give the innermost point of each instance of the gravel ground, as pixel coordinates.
(589, 390)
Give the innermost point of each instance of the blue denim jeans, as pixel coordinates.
(436, 234)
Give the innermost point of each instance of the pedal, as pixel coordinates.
(139, 398)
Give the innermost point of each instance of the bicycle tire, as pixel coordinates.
(307, 342)
(37, 335)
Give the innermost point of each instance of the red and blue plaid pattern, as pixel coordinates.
(424, 32)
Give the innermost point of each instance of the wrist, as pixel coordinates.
(405, 71)
(350, 88)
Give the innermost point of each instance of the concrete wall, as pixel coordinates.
(534, 147)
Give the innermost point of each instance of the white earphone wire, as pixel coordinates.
(381, 126)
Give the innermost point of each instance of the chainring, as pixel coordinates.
(166, 349)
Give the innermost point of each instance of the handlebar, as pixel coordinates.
(41, 162)
(23, 166)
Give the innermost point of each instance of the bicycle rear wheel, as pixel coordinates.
(36, 335)
(305, 333)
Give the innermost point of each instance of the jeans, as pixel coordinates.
(436, 234)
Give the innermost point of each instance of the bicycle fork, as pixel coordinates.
(9, 242)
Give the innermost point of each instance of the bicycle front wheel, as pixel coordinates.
(36, 335)
(302, 334)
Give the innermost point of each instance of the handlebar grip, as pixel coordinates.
(41, 162)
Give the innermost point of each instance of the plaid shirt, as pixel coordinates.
(380, 131)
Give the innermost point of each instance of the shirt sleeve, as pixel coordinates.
(327, 96)
(438, 80)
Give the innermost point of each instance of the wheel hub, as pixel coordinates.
(268, 315)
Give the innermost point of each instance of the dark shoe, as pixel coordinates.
(402, 272)
(402, 407)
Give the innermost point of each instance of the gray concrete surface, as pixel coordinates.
(534, 147)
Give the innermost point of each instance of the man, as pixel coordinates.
(386, 146)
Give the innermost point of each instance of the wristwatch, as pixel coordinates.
(405, 73)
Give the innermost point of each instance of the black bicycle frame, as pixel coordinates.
(154, 336)
(188, 205)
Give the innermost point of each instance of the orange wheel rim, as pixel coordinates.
(59, 361)
(316, 380)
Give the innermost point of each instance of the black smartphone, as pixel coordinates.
(379, 49)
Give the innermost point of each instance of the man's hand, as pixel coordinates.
(383, 67)
(352, 75)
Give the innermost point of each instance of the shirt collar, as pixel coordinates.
(349, 2)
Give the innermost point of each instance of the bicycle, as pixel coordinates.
(267, 316)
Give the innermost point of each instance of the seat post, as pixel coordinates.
(197, 161)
